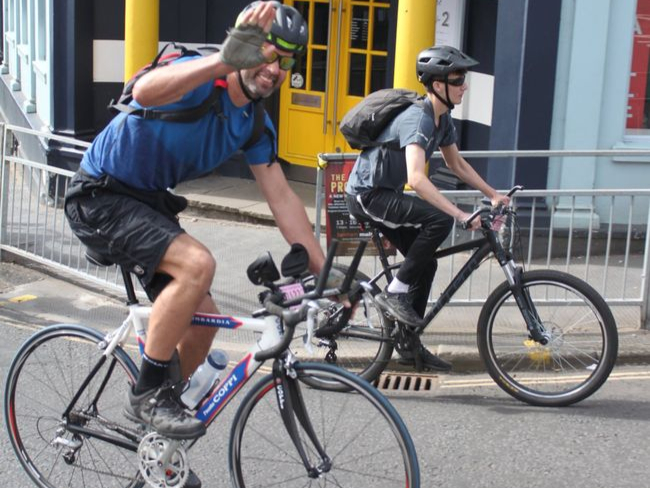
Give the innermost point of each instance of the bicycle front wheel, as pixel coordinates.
(362, 434)
(582, 346)
(58, 450)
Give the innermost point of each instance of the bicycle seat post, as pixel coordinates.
(128, 285)
(383, 259)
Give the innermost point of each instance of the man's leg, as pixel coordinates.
(402, 238)
(191, 266)
(197, 341)
(417, 229)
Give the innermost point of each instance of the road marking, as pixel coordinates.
(23, 298)
(623, 376)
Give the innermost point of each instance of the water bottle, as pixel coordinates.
(204, 378)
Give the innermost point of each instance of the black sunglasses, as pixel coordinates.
(460, 81)
(285, 62)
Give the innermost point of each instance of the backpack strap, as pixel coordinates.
(191, 114)
(258, 125)
(260, 129)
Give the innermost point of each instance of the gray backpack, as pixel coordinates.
(366, 120)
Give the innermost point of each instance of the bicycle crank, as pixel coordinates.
(163, 462)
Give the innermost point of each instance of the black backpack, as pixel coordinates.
(364, 122)
(190, 114)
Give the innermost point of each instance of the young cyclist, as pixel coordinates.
(119, 205)
(416, 225)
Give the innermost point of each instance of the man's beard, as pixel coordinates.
(250, 80)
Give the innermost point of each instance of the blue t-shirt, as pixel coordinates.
(157, 155)
(385, 166)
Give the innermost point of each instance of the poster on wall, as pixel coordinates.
(339, 223)
(638, 107)
(450, 19)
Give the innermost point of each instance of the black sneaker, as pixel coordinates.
(159, 409)
(427, 359)
(399, 306)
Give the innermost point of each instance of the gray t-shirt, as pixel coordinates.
(385, 166)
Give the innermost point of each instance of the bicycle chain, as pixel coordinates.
(137, 433)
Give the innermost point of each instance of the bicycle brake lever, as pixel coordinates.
(311, 320)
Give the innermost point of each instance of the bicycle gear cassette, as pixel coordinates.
(163, 462)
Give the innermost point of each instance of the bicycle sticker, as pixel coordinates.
(292, 290)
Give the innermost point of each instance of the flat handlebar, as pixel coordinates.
(489, 210)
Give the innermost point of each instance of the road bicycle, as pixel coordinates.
(546, 337)
(67, 384)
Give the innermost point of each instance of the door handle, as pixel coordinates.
(327, 67)
(336, 78)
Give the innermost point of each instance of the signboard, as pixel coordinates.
(339, 223)
(450, 19)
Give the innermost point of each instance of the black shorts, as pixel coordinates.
(129, 227)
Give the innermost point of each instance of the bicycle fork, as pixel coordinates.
(292, 407)
(525, 303)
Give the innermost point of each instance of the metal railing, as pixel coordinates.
(613, 258)
(570, 230)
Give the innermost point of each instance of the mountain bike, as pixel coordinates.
(546, 337)
(67, 384)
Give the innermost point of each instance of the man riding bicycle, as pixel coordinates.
(416, 225)
(119, 206)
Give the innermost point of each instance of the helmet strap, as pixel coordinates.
(244, 90)
(446, 102)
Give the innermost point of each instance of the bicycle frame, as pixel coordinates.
(483, 247)
(287, 391)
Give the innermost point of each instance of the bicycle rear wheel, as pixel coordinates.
(361, 432)
(362, 344)
(581, 351)
(43, 378)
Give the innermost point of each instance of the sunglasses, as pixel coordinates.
(460, 81)
(285, 62)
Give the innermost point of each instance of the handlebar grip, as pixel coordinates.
(514, 189)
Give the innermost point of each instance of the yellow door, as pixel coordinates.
(346, 59)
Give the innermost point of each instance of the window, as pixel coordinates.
(638, 109)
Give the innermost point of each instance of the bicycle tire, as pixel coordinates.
(579, 356)
(42, 379)
(360, 430)
(363, 342)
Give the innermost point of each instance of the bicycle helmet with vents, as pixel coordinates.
(437, 62)
(289, 30)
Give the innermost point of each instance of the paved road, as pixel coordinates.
(468, 432)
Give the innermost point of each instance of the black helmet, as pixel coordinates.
(289, 29)
(437, 62)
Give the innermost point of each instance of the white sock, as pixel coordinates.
(396, 286)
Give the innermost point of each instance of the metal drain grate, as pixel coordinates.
(413, 383)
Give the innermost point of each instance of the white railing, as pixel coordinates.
(613, 257)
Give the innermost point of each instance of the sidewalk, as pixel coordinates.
(240, 199)
(452, 335)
